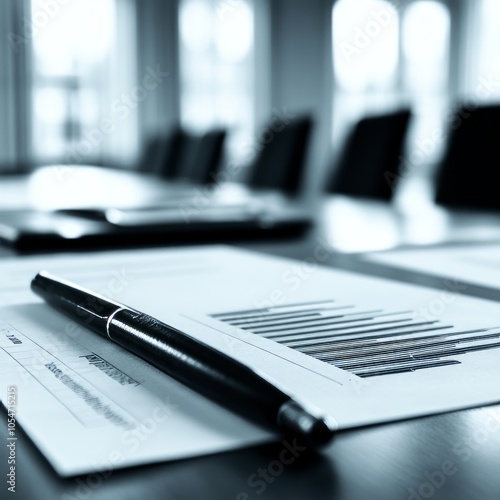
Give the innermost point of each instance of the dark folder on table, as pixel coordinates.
(27, 230)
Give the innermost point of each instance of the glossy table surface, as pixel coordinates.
(450, 456)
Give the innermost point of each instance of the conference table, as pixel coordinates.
(449, 456)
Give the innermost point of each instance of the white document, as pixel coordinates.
(477, 264)
(362, 349)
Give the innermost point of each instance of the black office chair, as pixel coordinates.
(162, 154)
(148, 162)
(469, 175)
(184, 156)
(203, 161)
(371, 156)
(280, 163)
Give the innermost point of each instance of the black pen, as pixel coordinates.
(197, 365)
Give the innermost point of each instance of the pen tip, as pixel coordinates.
(314, 430)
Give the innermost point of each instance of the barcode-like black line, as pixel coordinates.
(334, 343)
(326, 340)
(406, 369)
(396, 346)
(398, 356)
(272, 316)
(257, 318)
(268, 309)
(327, 329)
(392, 356)
(361, 348)
(320, 321)
(401, 346)
(406, 362)
(462, 350)
(390, 360)
(311, 318)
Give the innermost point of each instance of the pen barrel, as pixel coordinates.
(198, 366)
(90, 310)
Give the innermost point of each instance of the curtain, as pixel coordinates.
(158, 52)
(15, 78)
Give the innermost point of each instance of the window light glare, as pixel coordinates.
(79, 33)
(195, 24)
(234, 34)
(365, 43)
(426, 29)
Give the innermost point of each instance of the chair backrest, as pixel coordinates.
(162, 154)
(469, 174)
(280, 163)
(371, 156)
(182, 155)
(202, 165)
(173, 154)
(149, 161)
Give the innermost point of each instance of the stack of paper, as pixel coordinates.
(361, 349)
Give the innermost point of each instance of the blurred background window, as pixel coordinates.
(481, 61)
(217, 60)
(81, 65)
(388, 55)
(425, 74)
(365, 37)
(72, 74)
